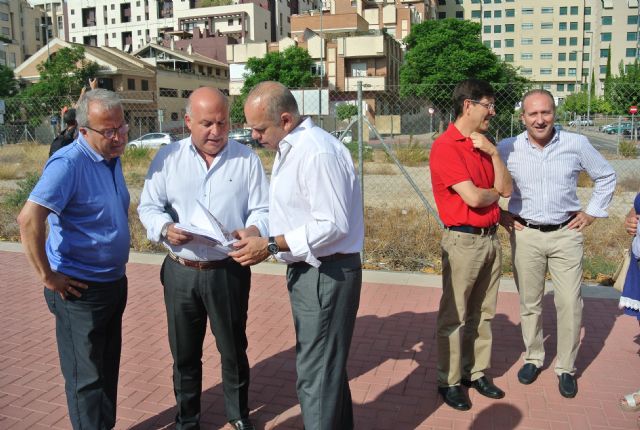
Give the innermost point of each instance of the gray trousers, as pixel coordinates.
(324, 303)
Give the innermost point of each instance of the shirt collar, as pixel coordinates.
(194, 150)
(88, 149)
(554, 139)
(293, 137)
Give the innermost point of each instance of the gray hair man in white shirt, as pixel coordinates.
(200, 280)
(545, 221)
(316, 226)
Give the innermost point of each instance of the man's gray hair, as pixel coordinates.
(279, 100)
(108, 100)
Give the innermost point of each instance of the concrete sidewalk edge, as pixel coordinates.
(507, 285)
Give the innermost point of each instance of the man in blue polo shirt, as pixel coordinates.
(83, 196)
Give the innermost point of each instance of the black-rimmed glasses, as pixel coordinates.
(488, 106)
(111, 133)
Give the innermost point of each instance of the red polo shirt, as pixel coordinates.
(453, 160)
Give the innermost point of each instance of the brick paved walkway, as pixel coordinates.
(392, 363)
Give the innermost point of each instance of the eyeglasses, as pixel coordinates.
(111, 133)
(488, 106)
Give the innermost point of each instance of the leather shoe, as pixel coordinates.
(455, 397)
(528, 373)
(243, 424)
(484, 387)
(568, 385)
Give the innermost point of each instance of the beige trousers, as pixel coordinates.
(533, 252)
(471, 267)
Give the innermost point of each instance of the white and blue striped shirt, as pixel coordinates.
(545, 181)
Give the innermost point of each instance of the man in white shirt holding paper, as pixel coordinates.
(200, 281)
(316, 227)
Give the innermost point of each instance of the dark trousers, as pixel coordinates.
(324, 304)
(191, 295)
(89, 337)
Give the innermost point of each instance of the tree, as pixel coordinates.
(346, 111)
(208, 3)
(8, 83)
(623, 90)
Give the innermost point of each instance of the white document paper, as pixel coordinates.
(206, 228)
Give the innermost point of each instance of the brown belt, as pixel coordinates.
(200, 265)
(327, 258)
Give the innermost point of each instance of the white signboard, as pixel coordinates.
(312, 101)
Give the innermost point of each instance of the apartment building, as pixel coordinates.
(556, 43)
(21, 34)
(53, 17)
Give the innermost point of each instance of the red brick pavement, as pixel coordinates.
(392, 363)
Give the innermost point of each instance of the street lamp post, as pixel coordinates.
(46, 37)
(321, 66)
(589, 75)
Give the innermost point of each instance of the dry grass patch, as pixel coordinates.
(376, 168)
(20, 159)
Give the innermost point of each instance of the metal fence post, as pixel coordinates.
(360, 158)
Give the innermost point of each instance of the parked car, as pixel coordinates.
(346, 139)
(617, 128)
(243, 135)
(152, 140)
(580, 122)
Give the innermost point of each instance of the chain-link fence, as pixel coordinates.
(402, 227)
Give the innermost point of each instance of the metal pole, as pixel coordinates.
(360, 147)
(590, 76)
(321, 68)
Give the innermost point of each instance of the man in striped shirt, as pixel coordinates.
(545, 221)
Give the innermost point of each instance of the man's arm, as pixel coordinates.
(502, 182)
(31, 220)
(631, 222)
(476, 197)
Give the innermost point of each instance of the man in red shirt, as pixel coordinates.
(468, 178)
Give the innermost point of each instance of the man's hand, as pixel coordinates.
(480, 142)
(243, 233)
(508, 222)
(631, 222)
(581, 221)
(64, 285)
(177, 237)
(250, 250)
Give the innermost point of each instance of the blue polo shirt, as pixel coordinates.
(88, 227)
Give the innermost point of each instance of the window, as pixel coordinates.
(526, 41)
(604, 53)
(572, 71)
(573, 56)
(497, 29)
(562, 41)
(497, 43)
(562, 56)
(459, 15)
(475, 1)
(560, 87)
(586, 41)
(508, 58)
(487, 29)
(607, 20)
(475, 14)
(546, 10)
(527, 11)
(144, 85)
(527, 71)
(527, 26)
(605, 37)
(508, 43)
(585, 56)
(574, 10)
(442, 2)
(442, 15)
(509, 13)
(497, 14)
(546, 25)
(562, 26)
(630, 52)
(587, 26)
(587, 10)
(168, 92)
(603, 70)
(487, 43)
(131, 84)
(573, 25)
(571, 87)
(546, 41)
(632, 20)
(4, 16)
(573, 41)
(632, 36)
(487, 14)
(563, 10)
(509, 28)
(545, 71)
(546, 56)
(526, 56)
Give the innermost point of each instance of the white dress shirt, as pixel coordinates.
(545, 181)
(234, 189)
(315, 196)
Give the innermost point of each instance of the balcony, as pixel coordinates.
(369, 83)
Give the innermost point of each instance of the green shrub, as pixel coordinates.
(18, 197)
(367, 151)
(628, 148)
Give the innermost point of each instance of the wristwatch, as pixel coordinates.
(165, 230)
(272, 246)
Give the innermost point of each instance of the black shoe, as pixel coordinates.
(528, 373)
(243, 424)
(568, 385)
(455, 397)
(485, 387)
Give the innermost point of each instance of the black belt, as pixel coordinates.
(326, 259)
(200, 265)
(482, 231)
(545, 228)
